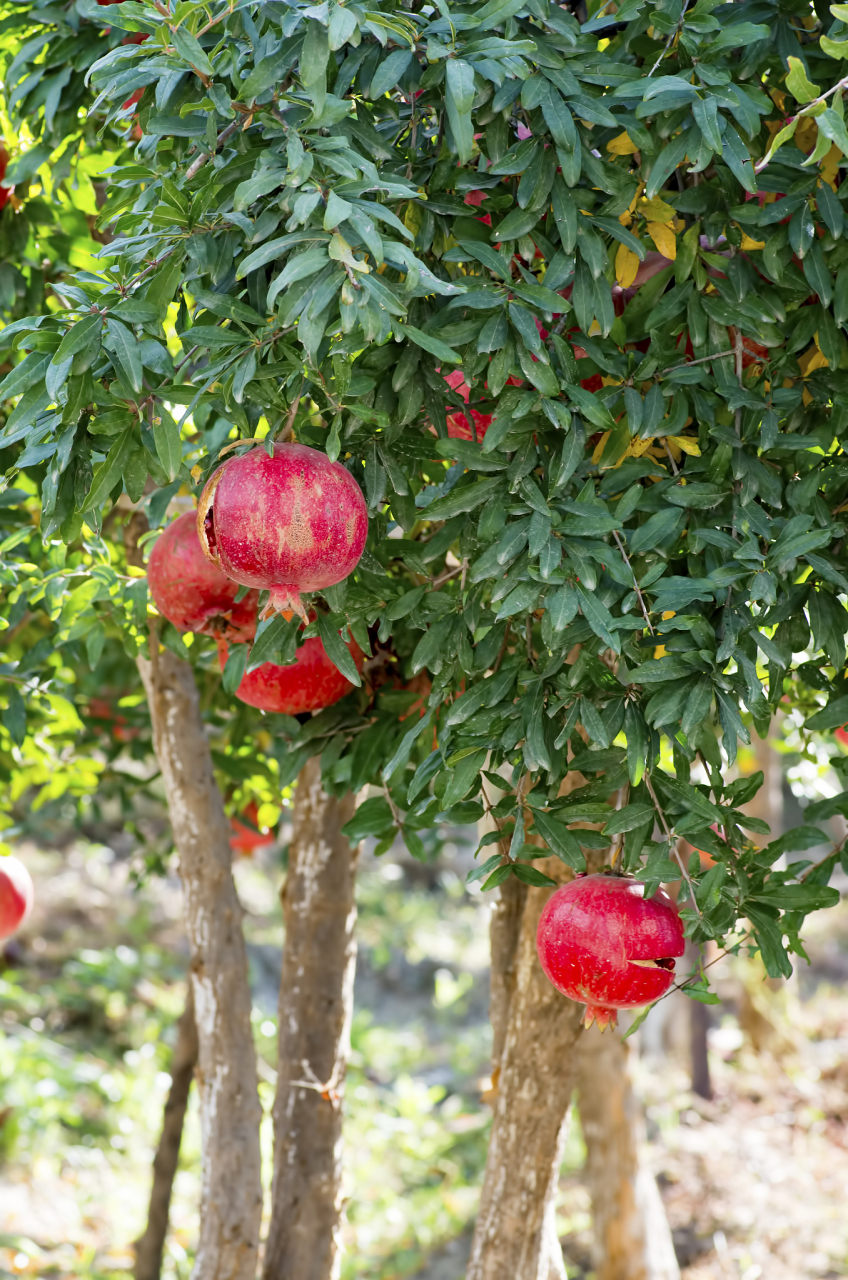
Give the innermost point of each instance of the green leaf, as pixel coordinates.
(797, 897)
(108, 472)
(599, 619)
(560, 840)
(82, 336)
(462, 777)
(372, 818)
(427, 342)
(166, 436)
(24, 375)
(14, 715)
(234, 667)
(801, 88)
(337, 651)
(123, 345)
(833, 716)
(530, 875)
(459, 501)
(638, 1020)
(188, 47)
(459, 82)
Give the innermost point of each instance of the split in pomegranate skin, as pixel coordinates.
(192, 593)
(16, 895)
(310, 683)
(291, 522)
(601, 942)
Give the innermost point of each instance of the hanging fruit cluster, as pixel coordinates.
(287, 522)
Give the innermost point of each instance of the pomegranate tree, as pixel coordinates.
(310, 683)
(602, 942)
(191, 592)
(288, 522)
(16, 895)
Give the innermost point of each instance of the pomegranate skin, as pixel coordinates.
(290, 523)
(191, 592)
(310, 683)
(599, 939)
(17, 894)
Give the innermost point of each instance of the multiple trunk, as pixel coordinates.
(316, 1005)
(231, 1190)
(632, 1238)
(149, 1247)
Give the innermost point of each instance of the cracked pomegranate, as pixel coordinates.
(310, 683)
(290, 523)
(194, 594)
(16, 895)
(600, 941)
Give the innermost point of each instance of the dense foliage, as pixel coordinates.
(329, 211)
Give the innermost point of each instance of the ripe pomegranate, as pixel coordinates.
(310, 683)
(16, 895)
(600, 941)
(191, 592)
(290, 522)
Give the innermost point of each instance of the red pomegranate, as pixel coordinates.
(310, 683)
(16, 895)
(290, 522)
(600, 941)
(191, 592)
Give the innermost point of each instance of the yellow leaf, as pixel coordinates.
(806, 134)
(830, 166)
(599, 447)
(664, 238)
(748, 243)
(686, 444)
(811, 360)
(623, 145)
(626, 266)
(196, 473)
(657, 210)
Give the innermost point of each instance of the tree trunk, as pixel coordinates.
(149, 1246)
(231, 1188)
(316, 1005)
(632, 1238)
(515, 1235)
(504, 930)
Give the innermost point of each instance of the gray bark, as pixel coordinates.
(632, 1237)
(515, 1236)
(316, 1005)
(149, 1246)
(231, 1189)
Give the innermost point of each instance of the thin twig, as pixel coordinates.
(687, 364)
(668, 42)
(738, 350)
(445, 577)
(639, 595)
(500, 656)
(670, 456)
(198, 164)
(672, 842)
(837, 847)
(288, 427)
